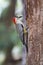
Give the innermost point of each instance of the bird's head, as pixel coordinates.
(18, 20)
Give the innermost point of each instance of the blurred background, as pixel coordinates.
(12, 50)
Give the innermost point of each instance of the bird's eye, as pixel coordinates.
(20, 16)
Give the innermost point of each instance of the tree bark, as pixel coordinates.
(35, 23)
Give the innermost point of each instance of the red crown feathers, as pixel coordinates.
(14, 20)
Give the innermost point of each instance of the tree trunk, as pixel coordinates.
(35, 22)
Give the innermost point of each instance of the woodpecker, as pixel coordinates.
(25, 32)
(18, 19)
